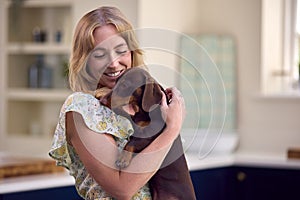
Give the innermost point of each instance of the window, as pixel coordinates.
(280, 46)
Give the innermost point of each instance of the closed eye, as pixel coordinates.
(122, 49)
(99, 53)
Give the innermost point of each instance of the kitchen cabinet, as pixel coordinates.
(214, 184)
(246, 183)
(33, 29)
(59, 193)
(267, 183)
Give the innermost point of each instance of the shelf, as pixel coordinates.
(19, 138)
(38, 94)
(43, 3)
(38, 48)
(29, 115)
(26, 147)
(39, 20)
(292, 95)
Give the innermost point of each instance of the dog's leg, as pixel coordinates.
(125, 157)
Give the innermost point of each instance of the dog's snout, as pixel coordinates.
(103, 101)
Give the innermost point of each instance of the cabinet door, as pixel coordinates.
(214, 184)
(29, 105)
(265, 183)
(63, 193)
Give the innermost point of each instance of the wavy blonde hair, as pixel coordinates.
(83, 43)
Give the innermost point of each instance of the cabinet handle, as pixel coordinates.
(241, 176)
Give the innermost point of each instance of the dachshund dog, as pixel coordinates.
(137, 91)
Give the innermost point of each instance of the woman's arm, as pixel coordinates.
(98, 151)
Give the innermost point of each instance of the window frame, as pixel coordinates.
(279, 59)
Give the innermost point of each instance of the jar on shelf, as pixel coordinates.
(40, 75)
(39, 35)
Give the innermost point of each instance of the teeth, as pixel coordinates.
(114, 74)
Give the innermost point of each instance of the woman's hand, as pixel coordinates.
(174, 113)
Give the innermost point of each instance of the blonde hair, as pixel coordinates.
(83, 43)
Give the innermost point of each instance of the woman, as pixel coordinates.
(89, 135)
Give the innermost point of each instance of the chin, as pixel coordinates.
(111, 85)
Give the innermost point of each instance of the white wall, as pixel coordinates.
(266, 125)
(128, 7)
(175, 17)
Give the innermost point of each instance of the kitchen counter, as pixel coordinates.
(35, 182)
(241, 159)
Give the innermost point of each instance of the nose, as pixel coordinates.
(113, 60)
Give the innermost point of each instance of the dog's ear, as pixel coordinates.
(101, 92)
(152, 95)
(106, 99)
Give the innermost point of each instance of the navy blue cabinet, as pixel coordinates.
(246, 183)
(214, 184)
(266, 183)
(227, 183)
(62, 193)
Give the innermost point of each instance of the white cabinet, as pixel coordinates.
(28, 116)
(31, 28)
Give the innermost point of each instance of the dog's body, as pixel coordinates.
(138, 90)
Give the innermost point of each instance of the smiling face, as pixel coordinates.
(111, 56)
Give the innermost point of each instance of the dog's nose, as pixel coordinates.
(103, 101)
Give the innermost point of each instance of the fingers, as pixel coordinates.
(164, 105)
(174, 112)
(163, 99)
(178, 99)
(176, 95)
(169, 94)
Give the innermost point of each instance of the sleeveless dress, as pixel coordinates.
(100, 119)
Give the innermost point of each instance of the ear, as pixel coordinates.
(152, 95)
(106, 99)
(101, 92)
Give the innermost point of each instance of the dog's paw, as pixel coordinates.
(121, 164)
(123, 160)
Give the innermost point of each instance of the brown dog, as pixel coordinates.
(137, 91)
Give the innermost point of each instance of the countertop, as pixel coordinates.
(241, 159)
(35, 182)
(195, 162)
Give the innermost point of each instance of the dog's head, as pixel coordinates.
(135, 88)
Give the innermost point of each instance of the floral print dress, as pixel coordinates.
(101, 120)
